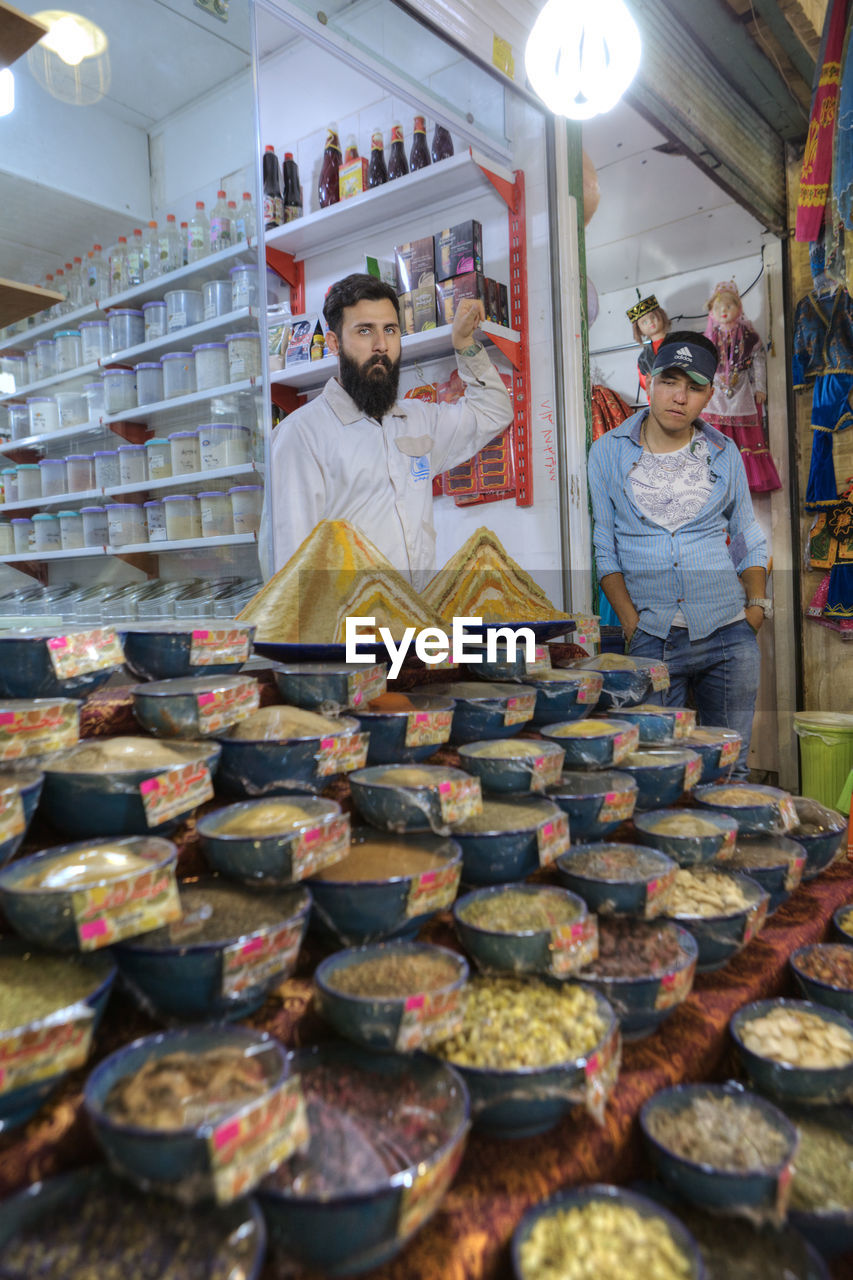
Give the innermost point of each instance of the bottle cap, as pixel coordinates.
(183, 224)
(122, 239)
(288, 155)
(199, 204)
(137, 231)
(152, 224)
(220, 195)
(80, 260)
(232, 204)
(247, 195)
(69, 266)
(270, 149)
(170, 217)
(96, 248)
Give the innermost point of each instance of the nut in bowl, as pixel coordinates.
(824, 973)
(526, 928)
(796, 1051)
(513, 764)
(821, 1201)
(645, 969)
(618, 879)
(689, 837)
(593, 744)
(723, 910)
(274, 842)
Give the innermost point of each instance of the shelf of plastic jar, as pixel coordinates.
(134, 548)
(208, 268)
(77, 496)
(448, 180)
(429, 344)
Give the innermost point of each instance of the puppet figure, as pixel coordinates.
(740, 386)
(650, 325)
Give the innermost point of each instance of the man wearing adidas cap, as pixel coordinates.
(680, 555)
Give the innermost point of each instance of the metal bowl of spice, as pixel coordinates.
(723, 910)
(526, 928)
(395, 996)
(820, 831)
(821, 1202)
(758, 810)
(28, 782)
(596, 802)
(510, 839)
(663, 774)
(415, 797)
(487, 709)
(721, 1147)
(162, 1108)
(618, 879)
(274, 842)
(593, 744)
(776, 862)
(565, 695)
(405, 727)
(530, 1050)
(229, 948)
(514, 764)
(688, 836)
(645, 969)
(330, 687)
(718, 748)
(385, 886)
(602, 1231)
(794, 1050)
(842, 920)
(824, 973)
(170, 650)
(194, 707)
(69, 663)
(657, 725)
(279, 751)
(86, 1224)
(624, 682)
(387, 1132)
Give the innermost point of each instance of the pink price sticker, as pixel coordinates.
(685, 722)
(727, 848)
(432, 1016)
(12, 820)
(729, 752)
(618, 806)
(342, 754)
(589, 688)
(268, 954)
(428, 728)
(573, 947)
(105, 914)
(788, 813)
(319, 847)
(601, 1071)
(363, 686)
(220, 708)
(420, 1200)
(552, 839)
(659, 674)
(519, 708)
(541, 664)
(675, 987)
(794, 874)
(228, 646)
(459, 798)
(692, 773)
(433, 890)
(255, 1140)
(547, 770)
(175, 792)
(755, 921)
(657, 893)
(81, 652)
(48, 1048)
(625, 741)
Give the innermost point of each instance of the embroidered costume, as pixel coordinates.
(823, 358)
(817, 157)
(650, 326)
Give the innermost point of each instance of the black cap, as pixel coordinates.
(689, 357)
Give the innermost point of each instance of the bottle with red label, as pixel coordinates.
(328, 188)
(398, 165)
(442, 144)
(291, 188)
(377, 173)
(419, 155)
(273, 208)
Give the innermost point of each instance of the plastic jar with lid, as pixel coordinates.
(95, 340)
(217, 298)
(7, 539)
(132, 467)
(149, 382)
(45, 358)
(106, 468)
(29, 481)
(154, 318)
(211, 365)
(126, 523)
(183, 518)
(96, 531)
(10, 484)
(32, 366)
(246, 503)
(245, 287)
(155, 520)
(159, 452)
(43, 414)
(94, 393)
(19, 421)
(80, 471)
(22, 532)
(15, 363)
(46, 533)
(214, 438)
(178, 374)
(127, 328)
(244, 355)
(119, 390)
(69, 350)
(186, 455)
(184, 307)
(73, 408)
(217, 514)
(53, 477)
(70, 530)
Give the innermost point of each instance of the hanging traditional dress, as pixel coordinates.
(740, 386)
(823, 359)
(839, 598)
(817, 158)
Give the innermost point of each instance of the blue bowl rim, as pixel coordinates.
(667, 863)
(744, 1097)
(206, 819)
(690, 954)
(403, 1178)
(12, 943)
(469, 748)
(208, 751)
(774, 794)
(760, 891)
(9, 872)
(516, 800)
(607, 1192)
(247, 1035)
(139, 946)
(494, 890)
(350, 885)
(836, 919)
(749, 836)
(673, 748)
(349, 726)
(756, 1008)
(350, 956)
(203, 684)
(817, 982)
(725, 820)
(422, 701)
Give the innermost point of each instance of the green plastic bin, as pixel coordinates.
(826, 753)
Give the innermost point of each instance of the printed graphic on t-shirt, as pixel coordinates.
(420, 467)
(672, 488)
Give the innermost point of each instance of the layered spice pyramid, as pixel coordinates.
(482, 581)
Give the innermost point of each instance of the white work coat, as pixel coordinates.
(331, 462)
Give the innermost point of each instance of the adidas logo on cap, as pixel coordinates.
(683, 353)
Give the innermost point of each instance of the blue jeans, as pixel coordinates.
(721, 671)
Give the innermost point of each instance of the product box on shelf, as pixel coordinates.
(417, 309)
(384, 269)
(495, 302)
(449, 293)
(352, 177)
(415, 264)
(302, 340)
(458, 250)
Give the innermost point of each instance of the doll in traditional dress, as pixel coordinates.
(650, 325)
(740, 386)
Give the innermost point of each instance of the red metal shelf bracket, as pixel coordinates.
(287, 398)
(291, 271)
(521, 366)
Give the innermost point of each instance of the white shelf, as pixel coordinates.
(82, 430)
(134, 548)
(31, 557)
(70, 375)
(429, 344)
(119, 490)
(160, 407)
(449, 180)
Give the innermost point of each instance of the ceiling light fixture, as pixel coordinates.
(581, 56)
(7, 92)
(71, 37)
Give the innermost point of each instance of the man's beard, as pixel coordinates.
(374, 393)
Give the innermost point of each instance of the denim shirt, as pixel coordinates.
(693, 568)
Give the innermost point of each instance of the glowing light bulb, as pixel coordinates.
(7, 92)
(581, 55)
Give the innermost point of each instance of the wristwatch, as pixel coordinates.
(762, 603)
